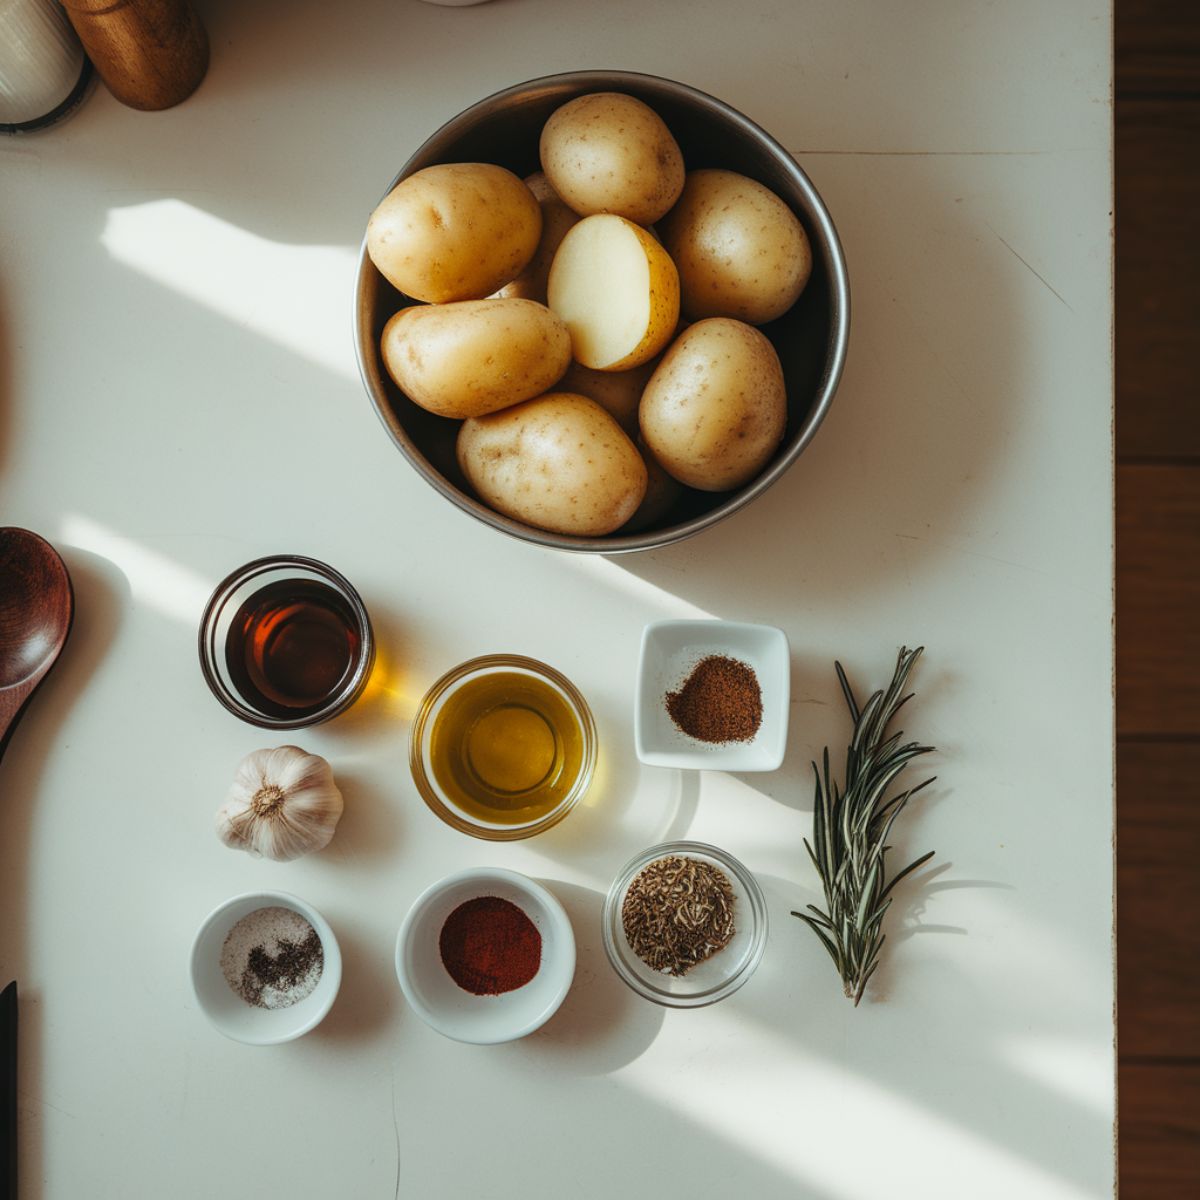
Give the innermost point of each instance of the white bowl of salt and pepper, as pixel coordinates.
(266, 968)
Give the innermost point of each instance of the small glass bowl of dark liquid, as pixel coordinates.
(286, 642)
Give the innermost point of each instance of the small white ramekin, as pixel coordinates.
(228, 1012)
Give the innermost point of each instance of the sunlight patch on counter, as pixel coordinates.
(633, 587)
(158, 582)
(1081, 1071)
(789, 1118)
(297, 296)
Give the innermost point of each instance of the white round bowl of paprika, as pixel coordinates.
(485, 955)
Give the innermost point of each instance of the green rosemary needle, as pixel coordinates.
(851, 828)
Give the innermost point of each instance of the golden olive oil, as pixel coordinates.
(506, 748)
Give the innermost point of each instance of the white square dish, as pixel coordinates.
(670, 649)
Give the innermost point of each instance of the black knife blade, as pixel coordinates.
(8, 1092)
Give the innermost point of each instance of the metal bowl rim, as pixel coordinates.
(839, 282)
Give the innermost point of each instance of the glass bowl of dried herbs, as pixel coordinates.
(685, 924)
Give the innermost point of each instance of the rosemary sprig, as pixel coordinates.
(851, 827)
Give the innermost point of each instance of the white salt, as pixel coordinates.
(272, 958)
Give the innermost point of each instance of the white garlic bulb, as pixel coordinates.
(283, 803)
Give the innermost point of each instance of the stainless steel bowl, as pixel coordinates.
(810, 338)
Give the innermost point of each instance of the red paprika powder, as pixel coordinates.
(490, 946)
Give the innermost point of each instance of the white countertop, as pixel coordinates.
(178, 395)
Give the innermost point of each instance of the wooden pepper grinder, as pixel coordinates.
(151, 53)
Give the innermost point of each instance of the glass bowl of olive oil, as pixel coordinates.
(503, 747)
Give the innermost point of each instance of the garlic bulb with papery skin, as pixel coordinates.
(283, 803)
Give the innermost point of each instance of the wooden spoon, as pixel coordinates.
(36, 608)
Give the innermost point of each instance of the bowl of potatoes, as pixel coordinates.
(601, 311)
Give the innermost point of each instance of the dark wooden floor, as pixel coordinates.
(1158, 595)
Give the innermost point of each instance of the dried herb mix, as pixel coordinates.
(720, 701)
(678, 912)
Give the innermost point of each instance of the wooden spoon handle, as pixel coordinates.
(12, 702)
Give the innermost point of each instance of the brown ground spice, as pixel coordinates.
(720, 701)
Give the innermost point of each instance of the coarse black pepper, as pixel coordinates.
(283, 970)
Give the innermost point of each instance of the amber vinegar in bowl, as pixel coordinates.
(503, 747)
(286, 642)
(290, 646)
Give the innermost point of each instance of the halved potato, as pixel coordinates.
(617, 290)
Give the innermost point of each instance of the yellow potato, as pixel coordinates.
(715, 409)
(557, 218)
(662, 491)
(610, 153)
(617, 392)
(454, 232)
(559, 462)
(618, 291)
(741, 252)
(475, 356)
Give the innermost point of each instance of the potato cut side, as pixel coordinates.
(603, 294)
(617, 290)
